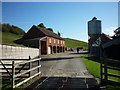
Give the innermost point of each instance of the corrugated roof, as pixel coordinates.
(48, 32)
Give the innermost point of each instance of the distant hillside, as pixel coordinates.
(10, 33)
(75, 43)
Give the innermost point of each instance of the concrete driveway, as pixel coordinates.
(64, 71)
(64, 65)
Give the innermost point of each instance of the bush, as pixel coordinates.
(5, 27)
(50, 29)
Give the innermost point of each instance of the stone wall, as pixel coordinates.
(17, 52)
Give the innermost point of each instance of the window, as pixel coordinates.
(54, 41)
(61, 42)
(58, 41)
(50, 40)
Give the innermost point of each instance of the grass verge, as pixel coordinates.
(93, 66)
(6, 83)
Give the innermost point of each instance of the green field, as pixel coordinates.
(75, 43)
(8, 38)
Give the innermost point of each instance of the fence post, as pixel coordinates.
(38, 65)
(40, 48)
(101, 59)
(13, 73)
(29, 66)
(101, 69)
(105, 71)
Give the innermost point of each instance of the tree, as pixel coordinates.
(59, 34)
(12, 29)
(50, 29)
(6, 27)
(41, 25)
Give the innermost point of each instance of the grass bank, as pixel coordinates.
(6, 83)
(93, 66)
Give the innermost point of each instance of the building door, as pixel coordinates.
(49, 50)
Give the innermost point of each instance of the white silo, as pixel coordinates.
(94, 29)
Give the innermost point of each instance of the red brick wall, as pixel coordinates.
(55, 42)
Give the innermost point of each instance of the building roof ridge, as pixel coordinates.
(48, 32)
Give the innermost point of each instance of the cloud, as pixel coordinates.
(110, 31)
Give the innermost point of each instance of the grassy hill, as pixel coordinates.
(8, 38)
(75, 43)
(9, 33)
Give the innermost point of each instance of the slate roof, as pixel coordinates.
(44, 31)
(105, 38)
(48, 33)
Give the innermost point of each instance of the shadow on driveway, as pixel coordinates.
(60, 58)
(67, 57)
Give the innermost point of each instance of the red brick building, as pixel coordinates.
(46, 40)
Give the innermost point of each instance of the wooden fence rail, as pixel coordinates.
(6, 67)
(16, 71)
(31, 69)
(112, 65)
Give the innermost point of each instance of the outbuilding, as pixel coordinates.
(47, 41)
